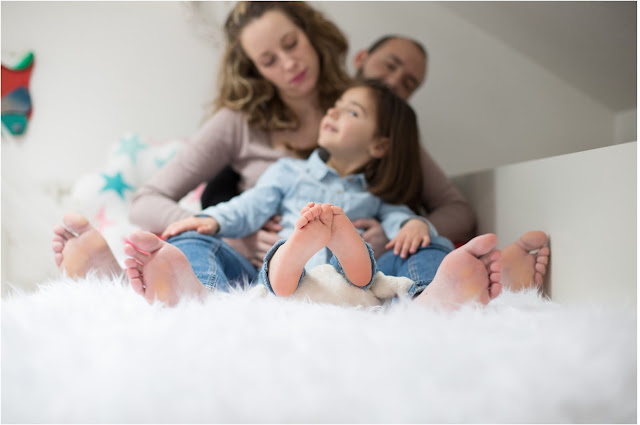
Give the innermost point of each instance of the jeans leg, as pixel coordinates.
(374, 267)
(215, 264)
(263, 274)
(420, 267)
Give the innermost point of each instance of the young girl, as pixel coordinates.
(371, 139)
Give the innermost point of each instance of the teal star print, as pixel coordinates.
(115, 183)
(131, 146)
(161, 161)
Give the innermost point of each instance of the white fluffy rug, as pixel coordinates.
(93, 351)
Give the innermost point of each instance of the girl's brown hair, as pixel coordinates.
(242, 88)
(397, 176)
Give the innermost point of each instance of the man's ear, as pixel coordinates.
(360, 58)
(379, 147)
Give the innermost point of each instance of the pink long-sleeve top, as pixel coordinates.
(226, 138)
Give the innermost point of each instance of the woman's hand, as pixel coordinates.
(206, 225)
(373, 234)
(413, 235)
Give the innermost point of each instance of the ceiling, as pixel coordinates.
(591, 45)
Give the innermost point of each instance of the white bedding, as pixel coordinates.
(94, 351)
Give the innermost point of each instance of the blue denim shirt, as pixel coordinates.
(289, 184)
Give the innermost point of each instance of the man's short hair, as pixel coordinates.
(379, 42)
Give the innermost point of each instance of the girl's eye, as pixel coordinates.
(290, 45)
(352, 113)
(390, 66)
(269, 62)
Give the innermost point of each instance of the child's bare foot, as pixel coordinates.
(79, 248)
(471, 273)
(523, 267)
(349, 248)
(312, 233)
(159, 270)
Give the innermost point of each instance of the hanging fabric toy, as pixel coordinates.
(16, 101)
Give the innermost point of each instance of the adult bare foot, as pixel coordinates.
(158, 270)
(349, 248)
(471, 273)
(311, 233)
(524, 262)
(79, 248)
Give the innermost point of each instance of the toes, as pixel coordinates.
(76, 222)
(135, 275)
(542, 259)
(537, 279)
(481, 245)
(139, 257)
(135, 280)
(336, 210)
(57, 246)
(326, 214)
(494, 290)
(532, 240)
(495, 267)
(145, 242)
(308, 216)
(307, 208)
(60, 232)
(491, 257)
(302, 221)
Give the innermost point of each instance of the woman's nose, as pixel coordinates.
(289, 61)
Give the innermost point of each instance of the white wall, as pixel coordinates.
(103, 68)
(586, 202)
(626, 126)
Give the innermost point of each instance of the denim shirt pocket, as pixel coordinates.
(304, 192)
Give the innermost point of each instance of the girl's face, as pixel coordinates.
(282, 53)
(348, 130)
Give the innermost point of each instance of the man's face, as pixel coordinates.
(398, 62)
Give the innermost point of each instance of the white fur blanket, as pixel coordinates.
(93, 351)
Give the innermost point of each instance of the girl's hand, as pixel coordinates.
(206, 225)
(413, 235)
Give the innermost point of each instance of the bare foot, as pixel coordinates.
(311, 233)
(79, 248)
(525, 261)
(349, 248)
(158, 270)
(471, 273)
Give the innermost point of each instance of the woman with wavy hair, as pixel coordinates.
(283, 66)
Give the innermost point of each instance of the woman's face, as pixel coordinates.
(349, 128)
(282, 53)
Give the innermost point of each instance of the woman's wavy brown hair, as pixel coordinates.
(397, 176)
(242, 88)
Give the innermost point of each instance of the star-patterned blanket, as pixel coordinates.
(104, 195)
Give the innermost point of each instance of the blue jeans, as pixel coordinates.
(264, 271)
(420, 267)
(218, 266)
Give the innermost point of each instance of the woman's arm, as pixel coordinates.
(446, 208)
(155, 204)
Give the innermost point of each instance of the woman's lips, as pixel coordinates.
(298, 78)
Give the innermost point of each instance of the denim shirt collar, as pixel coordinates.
(318, 169)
